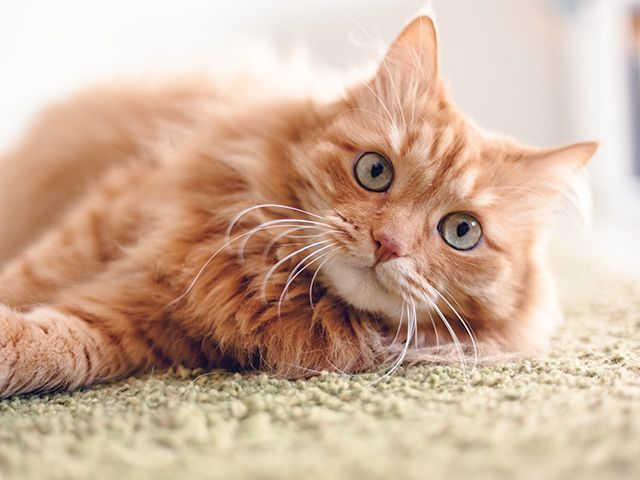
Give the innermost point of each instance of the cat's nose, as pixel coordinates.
(387, 247)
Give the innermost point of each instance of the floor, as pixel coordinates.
(575, 414)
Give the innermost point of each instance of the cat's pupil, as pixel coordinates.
(376, 170)
(462, 229)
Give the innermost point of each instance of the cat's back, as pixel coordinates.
(74, 143)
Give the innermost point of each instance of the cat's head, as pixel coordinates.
(427, 209)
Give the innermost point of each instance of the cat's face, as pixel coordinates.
(427, 210)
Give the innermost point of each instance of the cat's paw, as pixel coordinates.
(7, 319)
(9, 336)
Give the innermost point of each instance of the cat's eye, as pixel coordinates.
(373, 172)
(460, 230)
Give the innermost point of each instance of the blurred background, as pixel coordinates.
(547, 72)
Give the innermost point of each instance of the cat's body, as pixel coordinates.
(118, 209)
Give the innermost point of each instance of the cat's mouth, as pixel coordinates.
(369, 288)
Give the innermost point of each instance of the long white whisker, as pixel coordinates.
(269, 205)
(315, 274)
(391, 119)
(342, 372)
(287, 233)
(403, 353)
(452, 333)
(399, 327)
(453, 299)
(415, 325)
(295, 274)
(363, 110)
(280, 223)
(277, 265)
(205, 265)
(410, 323)
(386, 67)
(435, 330)
(315, 235)
(301, 263)
(466, 326)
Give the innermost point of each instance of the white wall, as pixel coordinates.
(601, 102)
(503, 59)
(517, 66)
(500, 55)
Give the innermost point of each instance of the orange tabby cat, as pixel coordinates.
(189, 224)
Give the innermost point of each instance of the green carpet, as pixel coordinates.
(575, 414)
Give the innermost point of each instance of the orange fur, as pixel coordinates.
(114, 206)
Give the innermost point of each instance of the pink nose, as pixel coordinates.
(387, 247)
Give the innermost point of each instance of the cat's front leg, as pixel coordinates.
(46, 349)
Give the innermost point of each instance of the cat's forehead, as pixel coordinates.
(457, 161)
(434, 148)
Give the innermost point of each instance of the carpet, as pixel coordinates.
(574, 414)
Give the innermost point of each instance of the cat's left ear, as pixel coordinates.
(553, 169)
(412, 59)
(572, 157)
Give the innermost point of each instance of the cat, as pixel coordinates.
(212, 225)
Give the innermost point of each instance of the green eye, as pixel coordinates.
(460, 230)
(373, 172)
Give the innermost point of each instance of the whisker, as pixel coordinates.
(313, 279)
(270, 205)
(265, 226)
(294, 271)
(453, 299)
(205, 265)
(415, 325)
(411, 321)
(293, 275)
(467, 327)
(280, 223)
(452, 333)
(386, 67)
(287, 233)
(399, 328)
(391, 119)
(272, 270)
(315, 235)
(435, 330)
(348, 375)
(364, 110)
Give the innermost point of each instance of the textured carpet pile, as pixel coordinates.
(574, 414)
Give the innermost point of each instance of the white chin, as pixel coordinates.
(360, 288)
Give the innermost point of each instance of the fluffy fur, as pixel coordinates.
(136, 231)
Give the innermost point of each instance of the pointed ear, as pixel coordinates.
(573, 156)
(412, 58)
(552, 171)
(538, 183)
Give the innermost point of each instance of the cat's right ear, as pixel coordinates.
(412, 60)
